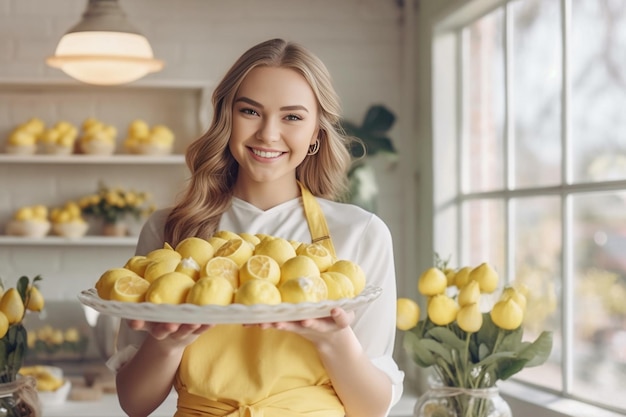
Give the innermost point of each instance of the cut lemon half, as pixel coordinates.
(130, 288)
(236, 249)
(322, 257)
(220, 266)
(260, 267)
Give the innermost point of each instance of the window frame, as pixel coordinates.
(447, 83)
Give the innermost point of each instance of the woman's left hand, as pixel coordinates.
(316, 330)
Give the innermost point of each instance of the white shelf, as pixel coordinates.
(176, 159)
(61, 241)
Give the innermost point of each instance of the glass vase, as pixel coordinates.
(461, 402)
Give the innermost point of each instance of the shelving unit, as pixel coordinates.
(52, 180)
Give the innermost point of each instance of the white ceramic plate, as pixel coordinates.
(233, 313)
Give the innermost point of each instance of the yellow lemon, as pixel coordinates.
(442, 310)
(215, 290)
(171, 288)
(298, 266)
(236, 249)
(226, 235)
(339, 285)
(318, 253)
(35, 299)
(198, 249)
(12, 306)
(486, 276)
(130, 288)
(450, 276)
(303, 289)
(353, 271)
(469, 294)
(407, 314)
(216, 242)
(263, 236)
(257, 291)
(220, 266)
(137, 264)
(160, 266)
(105, 283)
(469, 318)
(167, 246)
(432, 282)
(250, 238)
(4, 324)
(163, 253)
(260, 267)
(507, 315)
(190, 267)
(296, 245)
(278, 248)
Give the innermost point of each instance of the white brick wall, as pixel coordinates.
(361, 42)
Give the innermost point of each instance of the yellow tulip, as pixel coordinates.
(432, 281)
(469, 294)
(407, 314)
(461, 278)
(507, 314)
(442, 310)
(469, 318)
(515, 295)
(486, 276)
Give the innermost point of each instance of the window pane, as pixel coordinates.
(538, 248)
(483, 152)
(600, 297)
(537, 92)
(484, 231)
(598, 90)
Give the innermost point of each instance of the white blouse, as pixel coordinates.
(357, 235)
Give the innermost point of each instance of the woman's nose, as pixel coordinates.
(269, 131)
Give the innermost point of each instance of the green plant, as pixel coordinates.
(112, 204)
(373, 137)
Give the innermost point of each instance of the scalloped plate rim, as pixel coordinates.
(230, 314)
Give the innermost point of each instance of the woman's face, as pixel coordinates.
(275, 120)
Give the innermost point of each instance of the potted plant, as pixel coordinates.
(113, 205)
(373, 137)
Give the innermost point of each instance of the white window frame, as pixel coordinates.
(447, 118)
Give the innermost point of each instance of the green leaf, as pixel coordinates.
(422, 356)
(488, 333)
(438, 349)
(508, 367)
(22, 286)
(483, 351)
(537, 352)
(447, 336)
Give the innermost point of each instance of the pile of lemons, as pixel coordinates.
(46, 380)
(97, 137)
(233, 268)
(143, 139)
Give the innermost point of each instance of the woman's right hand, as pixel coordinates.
(175, 335)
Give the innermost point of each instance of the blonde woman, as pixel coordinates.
(274, 144)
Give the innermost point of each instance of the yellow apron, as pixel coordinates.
(237, 371)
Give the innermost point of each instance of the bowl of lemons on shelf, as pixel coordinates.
(29, 221)
(142, 139)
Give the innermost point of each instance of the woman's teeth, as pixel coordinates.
(264, 154)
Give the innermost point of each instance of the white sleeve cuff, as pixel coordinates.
(122, 356)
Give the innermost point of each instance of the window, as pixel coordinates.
(529, 130)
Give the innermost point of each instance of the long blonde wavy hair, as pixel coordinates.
(214, 170)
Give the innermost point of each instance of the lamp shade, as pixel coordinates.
(104, 48)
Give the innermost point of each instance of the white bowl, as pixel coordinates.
(70, 230)
(54, 149)
(21, 149)
(55, 397)
(97, 147)
(28, 228)
(152, 149)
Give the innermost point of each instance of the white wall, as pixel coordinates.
(361, 41)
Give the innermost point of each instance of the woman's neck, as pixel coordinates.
(266, 195)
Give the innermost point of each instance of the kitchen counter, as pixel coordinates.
(108, 406)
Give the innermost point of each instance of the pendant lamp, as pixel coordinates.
(104, 48)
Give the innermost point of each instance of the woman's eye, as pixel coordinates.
(251, 112)
(293, 117)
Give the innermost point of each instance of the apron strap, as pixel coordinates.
(316, 220)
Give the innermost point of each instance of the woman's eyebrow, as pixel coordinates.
(259, 105)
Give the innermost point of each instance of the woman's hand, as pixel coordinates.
(173, 335)
(318, 331)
